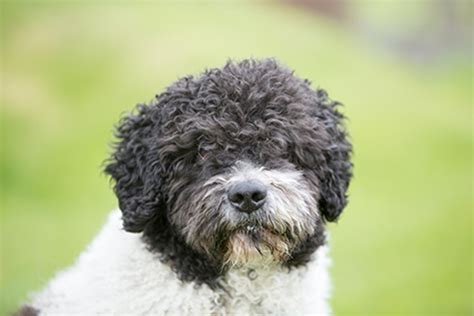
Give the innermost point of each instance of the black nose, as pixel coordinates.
(247, 196)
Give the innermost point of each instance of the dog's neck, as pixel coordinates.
(263, 289)
(250, 286)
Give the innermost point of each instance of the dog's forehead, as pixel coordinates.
(237, 97)
(238, 121)
(259, 112)
(268, 136)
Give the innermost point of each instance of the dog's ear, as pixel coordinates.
(336, 169)
(135, 167)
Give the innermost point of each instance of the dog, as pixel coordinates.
(225, 182)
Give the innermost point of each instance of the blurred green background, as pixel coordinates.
(403, 69)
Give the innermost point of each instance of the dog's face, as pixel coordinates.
(243, 165)
(247, 213)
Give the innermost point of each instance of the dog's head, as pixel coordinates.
(242, 164)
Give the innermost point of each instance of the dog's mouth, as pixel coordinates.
(256, 229)
(254, 244)
(251, 230)
(255, 232)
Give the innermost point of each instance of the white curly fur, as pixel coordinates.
(117, 275)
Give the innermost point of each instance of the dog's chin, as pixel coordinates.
(256, 247)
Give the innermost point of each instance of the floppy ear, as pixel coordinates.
(337, 167)
(135, 167)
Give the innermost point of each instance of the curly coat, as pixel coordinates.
(199, 127)
(253, 111)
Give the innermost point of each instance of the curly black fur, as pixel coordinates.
(188, 264)
(254, 110)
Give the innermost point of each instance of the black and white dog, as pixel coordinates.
(225, 183)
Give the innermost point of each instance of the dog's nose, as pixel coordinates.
(247, 196)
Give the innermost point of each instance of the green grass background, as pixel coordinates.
(70, 69)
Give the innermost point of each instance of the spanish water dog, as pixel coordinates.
(226, 182)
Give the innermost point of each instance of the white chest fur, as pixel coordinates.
(117, 275)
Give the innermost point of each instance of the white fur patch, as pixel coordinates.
(117, 275)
